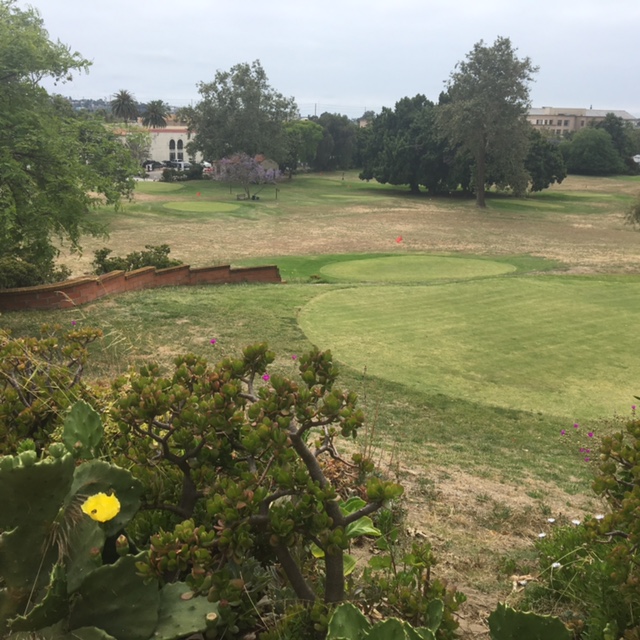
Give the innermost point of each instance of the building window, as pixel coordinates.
(582, 123)
(566, 123)
(180, 147)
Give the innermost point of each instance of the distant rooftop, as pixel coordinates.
(587, 113)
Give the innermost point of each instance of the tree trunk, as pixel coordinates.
(293, 573)
(334, 580)
(481, 176)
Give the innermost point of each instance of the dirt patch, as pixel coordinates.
(483, 531)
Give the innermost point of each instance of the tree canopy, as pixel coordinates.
(337, 148)
(54, 166)
(124, 106)
(155, 114)
(303, 138)
(240, 113)
(544, 162)
(404, 146)
(484, 114)
(245, 171)
(591, 151)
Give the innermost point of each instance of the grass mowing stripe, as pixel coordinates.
(561, 346)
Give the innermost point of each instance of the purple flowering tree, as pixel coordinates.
(247, 172)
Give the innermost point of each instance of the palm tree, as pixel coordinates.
(156, 114)
(124, 106)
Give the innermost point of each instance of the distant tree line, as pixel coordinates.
(604, 148)
(475, 137)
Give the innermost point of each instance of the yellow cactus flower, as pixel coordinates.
(101, 507)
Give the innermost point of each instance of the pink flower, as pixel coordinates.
(73, 323)
(563, 432)
(587, 459)
(213, 341)
(590, 434)
(266, 377)
(576, 425)
(633, 407)
(294, 357)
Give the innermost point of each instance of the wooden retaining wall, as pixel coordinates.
(77, 291)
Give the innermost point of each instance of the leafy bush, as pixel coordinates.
(155, 256)
(18, 272)
(238, 450)
(591, 570)
(401, 583)
(633, 213)
(39, 379)
(173, 175)
(194, 172)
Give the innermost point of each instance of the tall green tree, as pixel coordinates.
(55, 166)
(404, 147)
(124, 106)
(484, 115)
(591, 152)
(544, 162)
(138, 142)
(337, 149)
(303, 138)
(240, 113)
(155, 114)
(624, 138)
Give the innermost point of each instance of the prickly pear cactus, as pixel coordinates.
(506, 623)
(31, 494)
(50, 545)
(182, 613)
(57, 632)
(116, 599)
(348, 623)
(83, 431)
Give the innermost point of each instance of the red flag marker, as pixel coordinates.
(198, 193)
(399, 239)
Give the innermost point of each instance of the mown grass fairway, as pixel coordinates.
(472, 342)
(553, 345)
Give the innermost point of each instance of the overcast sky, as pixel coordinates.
(346, 56)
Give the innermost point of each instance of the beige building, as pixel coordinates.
(560, 121)
(170, 143)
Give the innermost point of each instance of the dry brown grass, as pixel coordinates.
(600, 242)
